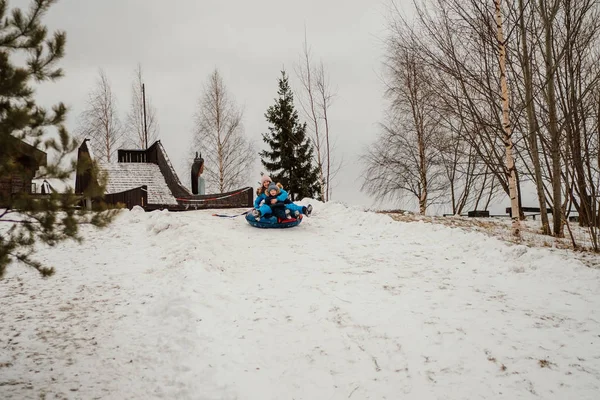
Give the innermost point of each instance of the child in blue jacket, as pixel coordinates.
(279, 198)
(274, 199)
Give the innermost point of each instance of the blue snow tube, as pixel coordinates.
(271, 222)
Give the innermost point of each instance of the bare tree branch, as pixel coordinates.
(100, 121)
(135, 125)
(305, 71)
(219, 135)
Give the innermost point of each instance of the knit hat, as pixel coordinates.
(272, 186)
(264, 179)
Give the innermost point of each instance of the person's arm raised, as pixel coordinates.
(282, 196)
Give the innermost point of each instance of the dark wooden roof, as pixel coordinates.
(10, 145)
(147, 178)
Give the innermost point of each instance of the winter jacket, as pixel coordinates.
(281, 197)
(277, 209)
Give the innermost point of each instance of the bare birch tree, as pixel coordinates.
(141, 118)
(457, 40)
(316, 98)
(305, 73)
(324, 101)
(100, 121)
(219, 135)
(470, 182)
(405, 158)
(577, 79)
(508, 140)
(544, 129)
(533, 128)
(548, 13)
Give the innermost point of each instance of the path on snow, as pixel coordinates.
(346, 305)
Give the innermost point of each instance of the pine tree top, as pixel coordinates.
(290, 160)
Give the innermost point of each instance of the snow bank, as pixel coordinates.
(350, 304)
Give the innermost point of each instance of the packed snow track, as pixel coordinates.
(348, 305)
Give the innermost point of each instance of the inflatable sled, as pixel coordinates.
(272, 222)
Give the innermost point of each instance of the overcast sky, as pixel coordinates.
(179, 43)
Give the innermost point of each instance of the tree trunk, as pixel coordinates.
(597, 213)
(219, 139)
(308, 83)
(547, 21)
(453, 197)
(521, 213)
(575, 132)
(422, 172)
(416, 86)
(480, 195)
(489, 199)
(328, 150)
(508, 143)
(532, 124)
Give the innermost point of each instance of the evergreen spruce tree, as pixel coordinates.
(25, 219)
(290, 160)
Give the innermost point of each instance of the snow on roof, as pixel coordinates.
(126, 176)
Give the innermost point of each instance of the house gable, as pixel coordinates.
(122, 177)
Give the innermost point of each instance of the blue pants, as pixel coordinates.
(294, 207)
(266, 209)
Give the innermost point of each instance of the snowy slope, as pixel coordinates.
(349, 305)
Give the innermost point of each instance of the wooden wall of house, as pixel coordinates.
(150, 155)
(131, 156)
(15, 183)
(129, 198)
(27, 160)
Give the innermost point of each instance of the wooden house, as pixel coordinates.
(146, 178)
(24, 162)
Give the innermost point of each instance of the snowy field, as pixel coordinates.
(348, 305)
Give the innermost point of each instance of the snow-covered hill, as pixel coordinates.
(348, 305)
